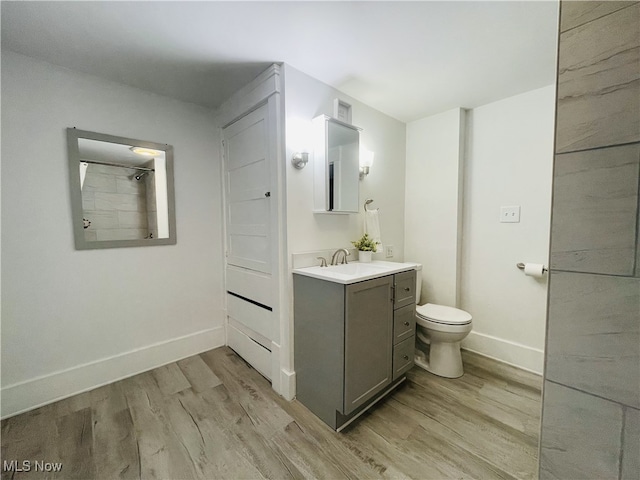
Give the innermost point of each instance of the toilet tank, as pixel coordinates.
(418, 282)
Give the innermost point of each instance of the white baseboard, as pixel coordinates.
(36, 392)
(283, 381)
(287, 384)
(276, 379)
(516, 354)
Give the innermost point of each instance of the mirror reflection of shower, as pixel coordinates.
(124, 193)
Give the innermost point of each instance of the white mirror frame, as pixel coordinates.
(75, 188)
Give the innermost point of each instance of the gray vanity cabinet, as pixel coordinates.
(352, 343)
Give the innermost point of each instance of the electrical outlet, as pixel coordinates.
(510, 214)
(388, 251)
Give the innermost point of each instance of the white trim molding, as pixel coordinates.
(505, 351)
(250, 96)
(287, 384)
(39, 391)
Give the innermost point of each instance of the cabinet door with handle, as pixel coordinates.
(403, 357)
(405, 288)
(368, 340)
(404, 323)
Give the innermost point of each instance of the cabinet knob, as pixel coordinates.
(406, 357)
(407, 289)
(406, 324)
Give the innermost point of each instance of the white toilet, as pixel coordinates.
(439, 331)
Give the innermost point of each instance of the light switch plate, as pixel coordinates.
(388, 250)
(510, 214)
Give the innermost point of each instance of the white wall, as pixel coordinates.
(469, 257)
(433, 197)
(74, 319)
(306, 98)
(509, 162)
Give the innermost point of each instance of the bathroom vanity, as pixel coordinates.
(354, 333)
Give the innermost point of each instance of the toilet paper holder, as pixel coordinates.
(520, 265)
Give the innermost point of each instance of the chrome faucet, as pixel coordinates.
(336, 255)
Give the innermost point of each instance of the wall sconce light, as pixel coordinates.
(300, 160)
(299, 141)
(366, 160)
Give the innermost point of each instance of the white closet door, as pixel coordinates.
(248, 173)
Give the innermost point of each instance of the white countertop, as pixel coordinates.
(355, 271)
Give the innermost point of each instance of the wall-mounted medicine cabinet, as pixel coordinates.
(336, 166)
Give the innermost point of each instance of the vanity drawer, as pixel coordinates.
(403, 354)
(405, 288)
(404, 323)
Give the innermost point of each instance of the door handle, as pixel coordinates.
(267, 194)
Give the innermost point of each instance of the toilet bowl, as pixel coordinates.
(439, 331)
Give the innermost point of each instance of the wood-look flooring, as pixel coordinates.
(212, 416)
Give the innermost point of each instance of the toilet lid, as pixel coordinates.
(443, 314)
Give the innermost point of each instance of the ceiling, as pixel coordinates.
(406, 59)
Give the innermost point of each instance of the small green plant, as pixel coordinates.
(365, 244)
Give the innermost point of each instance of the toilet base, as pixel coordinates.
(444, 360)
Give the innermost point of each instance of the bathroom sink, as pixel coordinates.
(354, 271)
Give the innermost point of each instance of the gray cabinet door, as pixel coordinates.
(368, 340)
(404, 323)
(405, 288)
(403, 357)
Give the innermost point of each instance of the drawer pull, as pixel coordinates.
(406, 357)
(406, 324)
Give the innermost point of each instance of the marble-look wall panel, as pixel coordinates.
(88, 200)
(580, 435)
(638, 239)
(109, 169)
(115, 204)
(133, 220)
(575, 14)
(590, 419)
(121, 234)
(594, 335)
(599, 82)
(98, 182)
(120, 202)
(130, 185)
(595, 210)
(101, 219)
(631, 445)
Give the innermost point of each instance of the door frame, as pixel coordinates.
(267, 89)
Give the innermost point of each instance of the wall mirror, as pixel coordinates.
(336, 166)
(121, 191)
